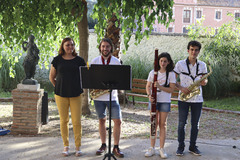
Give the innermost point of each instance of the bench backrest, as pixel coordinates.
(139, 86)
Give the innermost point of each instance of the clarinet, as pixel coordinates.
(154, 96)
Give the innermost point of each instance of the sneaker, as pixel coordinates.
(194, 151)
(162, 153)
(150, 152)
(179, 151)
(117, 152)
(101, 150)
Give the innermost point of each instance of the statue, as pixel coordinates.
(30, 61)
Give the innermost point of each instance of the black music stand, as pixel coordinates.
(107, 77)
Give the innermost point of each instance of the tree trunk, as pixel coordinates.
(83, 48)
(113, 33)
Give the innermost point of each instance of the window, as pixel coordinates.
(218, 15)
(154, 29)
(237, 15)
(170, 29)
(186, 16)
(185, 30)
(173, 10)
(199, 14)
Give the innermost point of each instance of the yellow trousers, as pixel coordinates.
(75, 105)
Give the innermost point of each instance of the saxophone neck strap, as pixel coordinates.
(189, 72)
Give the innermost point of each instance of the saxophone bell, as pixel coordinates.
(195, 91)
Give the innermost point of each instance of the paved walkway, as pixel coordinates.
(49, 148)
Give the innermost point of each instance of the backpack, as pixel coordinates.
(3, 131)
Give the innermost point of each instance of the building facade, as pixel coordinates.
(188, 12)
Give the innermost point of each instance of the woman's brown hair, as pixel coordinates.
(61, 50)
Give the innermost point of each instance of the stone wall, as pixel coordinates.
(175, 44)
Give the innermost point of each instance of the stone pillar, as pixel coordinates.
(27, 106)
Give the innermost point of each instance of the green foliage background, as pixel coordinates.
(47, 20)
(8, 83)
(222, 50)
(140, 66)
(50, 20)
(130, 13)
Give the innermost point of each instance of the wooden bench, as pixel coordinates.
(139, 90)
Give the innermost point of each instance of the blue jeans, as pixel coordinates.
(101, 107)
(183, 108)
(161, 106)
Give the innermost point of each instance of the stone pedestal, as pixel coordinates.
(27, 106)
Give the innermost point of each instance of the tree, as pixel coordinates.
(51, 20)
(223, 46)
(133, 16)
(222, 50)
(113, 32)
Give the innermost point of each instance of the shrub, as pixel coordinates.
(8, 83)
(219, 83)
(140, 66)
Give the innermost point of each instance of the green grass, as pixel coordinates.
(141, 99)
(9, 94)
(5, 94)
(50, 94)
(228, 103)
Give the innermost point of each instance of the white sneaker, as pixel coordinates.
(162, 153)
(150, 152)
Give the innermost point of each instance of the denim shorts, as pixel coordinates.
(161, 106)
(101, 107)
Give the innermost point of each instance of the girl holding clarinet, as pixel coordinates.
(164, 81)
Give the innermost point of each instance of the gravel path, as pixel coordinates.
(136, 123)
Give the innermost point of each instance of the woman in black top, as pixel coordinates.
(65, 77)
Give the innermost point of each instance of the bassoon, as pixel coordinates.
(154, 96)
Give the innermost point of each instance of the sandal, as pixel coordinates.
(65, 152)
(78, 153)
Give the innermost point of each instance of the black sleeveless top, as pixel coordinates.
(68, 76)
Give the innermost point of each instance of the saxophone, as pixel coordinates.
(194, 88)
(97, 92)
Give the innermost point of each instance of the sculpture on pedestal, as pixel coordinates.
(30, 61)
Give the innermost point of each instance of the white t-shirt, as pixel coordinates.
(113, 61)
(186, 80)
(163, 96)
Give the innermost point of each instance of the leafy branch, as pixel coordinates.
(135, 16)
